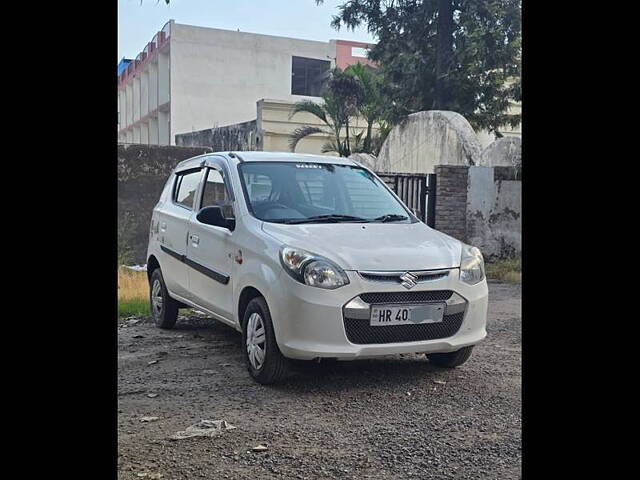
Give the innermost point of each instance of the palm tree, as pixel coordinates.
(371, 106)
(340, 101)
(326, 112)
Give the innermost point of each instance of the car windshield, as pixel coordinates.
(296, 193)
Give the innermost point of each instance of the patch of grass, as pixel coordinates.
(134, 307)
(506, 270)
(133, 293)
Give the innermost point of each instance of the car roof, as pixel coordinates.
(253, 156)
(290, 157)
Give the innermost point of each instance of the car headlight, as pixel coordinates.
(311, 269)
(471, 265)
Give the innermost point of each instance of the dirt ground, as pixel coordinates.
(396, 417)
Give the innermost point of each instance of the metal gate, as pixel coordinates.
(416, 190)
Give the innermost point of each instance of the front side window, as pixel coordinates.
(186, 188)
(308, 76)
(288, 192)
(215, 192)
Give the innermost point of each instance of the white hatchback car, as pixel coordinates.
(311, 257)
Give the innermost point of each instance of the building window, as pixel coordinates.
(308, 76)
(359, 52)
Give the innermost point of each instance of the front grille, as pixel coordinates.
(407, 297)
(395, 278)
(360, 332)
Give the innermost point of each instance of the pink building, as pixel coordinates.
(350, 53)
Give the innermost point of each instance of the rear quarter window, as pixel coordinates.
(186, 187)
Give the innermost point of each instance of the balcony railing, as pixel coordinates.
(158, 39)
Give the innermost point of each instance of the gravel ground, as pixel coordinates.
(396, 417)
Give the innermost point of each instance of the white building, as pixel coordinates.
(194, 78)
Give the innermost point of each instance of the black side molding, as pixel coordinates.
(217, 276)
(172, 253)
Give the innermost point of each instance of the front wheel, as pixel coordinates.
(265, 362)
(450, 359)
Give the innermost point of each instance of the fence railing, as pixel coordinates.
(417, 191)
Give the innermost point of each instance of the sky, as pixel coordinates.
(139, 21)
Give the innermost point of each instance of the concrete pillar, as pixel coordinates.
(153, 85)
(120, 109)
(129, 100)
(163, 128)
(144, 93)
(153, 131)
(144, 133)
(136, 99)
(123, 108)
(163, 78)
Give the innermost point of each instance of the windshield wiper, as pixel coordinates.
(326, 218)
(390, 217)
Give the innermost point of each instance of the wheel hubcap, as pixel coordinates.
(255, 340)
(156, 297)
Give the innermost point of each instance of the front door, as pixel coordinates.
(209, 250)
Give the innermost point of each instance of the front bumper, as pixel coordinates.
(309, 322)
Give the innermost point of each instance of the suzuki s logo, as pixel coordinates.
(409, 280)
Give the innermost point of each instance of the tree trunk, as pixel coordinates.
(444, 53)
(347, 144)
(367, 139)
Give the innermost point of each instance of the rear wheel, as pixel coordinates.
(164, 309)
(450, 359)
(265, 362)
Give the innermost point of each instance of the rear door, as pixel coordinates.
(173, 221)
(210, 249)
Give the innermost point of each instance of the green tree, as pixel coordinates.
(341, 98)
(460, 55)
(370, 108)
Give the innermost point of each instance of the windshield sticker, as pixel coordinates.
(308, 165)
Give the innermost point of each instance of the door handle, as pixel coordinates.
(163, 227)
(195, 240)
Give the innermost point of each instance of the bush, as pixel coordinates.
(506, 269)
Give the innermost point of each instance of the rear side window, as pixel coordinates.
(186, 188)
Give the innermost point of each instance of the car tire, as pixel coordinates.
(450, 359)
(265, 362)
(164, 309)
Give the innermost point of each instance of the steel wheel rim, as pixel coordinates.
(256, 341)
(156, 297)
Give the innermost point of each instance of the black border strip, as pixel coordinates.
(217, 276)
(172, 253)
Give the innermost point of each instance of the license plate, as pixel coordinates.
(385, 315)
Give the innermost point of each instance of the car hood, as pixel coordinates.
(372, 246)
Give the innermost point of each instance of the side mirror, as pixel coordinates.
(214, 216)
